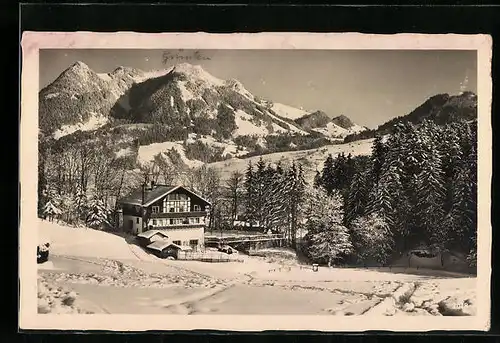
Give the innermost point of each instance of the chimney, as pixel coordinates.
(152, 185)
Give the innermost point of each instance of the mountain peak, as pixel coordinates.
(343, 122)
(196, 72)
(79, 65)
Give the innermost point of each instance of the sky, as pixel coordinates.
(368, 86)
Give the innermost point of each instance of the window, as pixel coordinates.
(137, 220)
(171, 221)
(155, 209)
(197, 208)
(177, 242)
(177, 197)
(193, 242)
(154, 221)
(177, 203)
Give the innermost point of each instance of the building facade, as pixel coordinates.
(175, 210)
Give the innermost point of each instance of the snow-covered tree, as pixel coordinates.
(98, 214)
(327, 239)
(372, 238)
(250, 193)
(357, 197)
(379, 150)
(430, 192)
(327, 174)
(50, 211)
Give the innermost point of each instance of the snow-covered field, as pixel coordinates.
(98, 270)
(314, 158)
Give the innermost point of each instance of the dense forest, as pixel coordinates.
(418, 188)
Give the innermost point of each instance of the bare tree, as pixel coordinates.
(167, 171)
(150, 172)
(235, 189)
(206, 181)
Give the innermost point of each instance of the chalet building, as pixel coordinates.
(176, 211)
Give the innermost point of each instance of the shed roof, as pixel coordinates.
(150, 233)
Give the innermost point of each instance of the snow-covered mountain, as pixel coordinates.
(181, 110)
(182, 96)
(338, 127)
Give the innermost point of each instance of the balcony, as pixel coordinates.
(200, 214)
(177, 226)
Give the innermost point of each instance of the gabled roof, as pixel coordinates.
(135, 198)
(160, 245)
(150, 233)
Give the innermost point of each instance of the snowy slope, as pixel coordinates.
(286, 111)
(82, 242)
(291, 127)
(148, 152)
(311, 160)
(94, 122)
(334, 131)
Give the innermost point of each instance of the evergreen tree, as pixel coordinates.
(357, 197)
(340, 172)
(250, 195)
(373, 239)
(430, 192)
(327, 175)
(317, 179)
(379, 151)
(327, 239)
(261, 191)
(350, 170)
(98, 214)
(50, 211)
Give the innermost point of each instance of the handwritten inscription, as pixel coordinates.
(181, 56)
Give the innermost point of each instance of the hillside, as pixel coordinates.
(311, 160)
(190, 117)
(440, 109)
(184, 106)
(335, 128)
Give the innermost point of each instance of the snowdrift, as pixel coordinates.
(83, 242)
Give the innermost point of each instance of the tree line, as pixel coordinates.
(418, 187)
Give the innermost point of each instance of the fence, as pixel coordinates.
(213, 257)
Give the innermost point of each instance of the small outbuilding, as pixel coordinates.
(165, 249)
(147, 237)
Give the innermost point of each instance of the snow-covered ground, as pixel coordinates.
(94, 122)
(292, 128)
(286, 111)
(148, 152)
(85, 242)
(98, 270)
(335, 131)
(314, 157)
